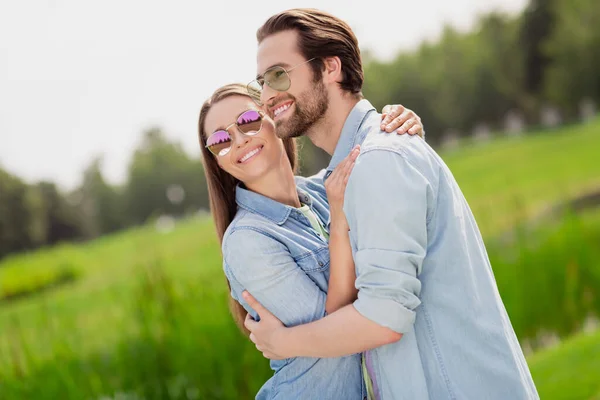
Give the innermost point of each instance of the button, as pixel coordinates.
(320, 263)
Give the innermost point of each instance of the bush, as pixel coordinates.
(39, 280)
(548, 275)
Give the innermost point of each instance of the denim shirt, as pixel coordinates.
(423, 271)
(271, 250)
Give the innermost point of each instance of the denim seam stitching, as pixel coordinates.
(437, 352)
(251, 228)
(255, 211)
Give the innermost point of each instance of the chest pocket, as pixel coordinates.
(314, 261)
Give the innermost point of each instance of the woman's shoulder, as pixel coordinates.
(247, 229)
(247, 247)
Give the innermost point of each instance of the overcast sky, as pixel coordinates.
(82, 78)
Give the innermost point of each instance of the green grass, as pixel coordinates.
(526, 174)
(148, 313)
(554, 265)
(569, 371)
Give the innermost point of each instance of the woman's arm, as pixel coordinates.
(342, 290)
(263, 266)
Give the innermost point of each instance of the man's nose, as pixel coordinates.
(267, 94)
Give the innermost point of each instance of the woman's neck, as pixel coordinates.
(279, 185)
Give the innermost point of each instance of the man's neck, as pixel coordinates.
(326, 133)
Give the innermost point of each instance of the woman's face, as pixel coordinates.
(250, 157)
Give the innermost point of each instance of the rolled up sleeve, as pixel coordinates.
(264, 267)
(386, 206)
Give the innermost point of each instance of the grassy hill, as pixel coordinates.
(569, 371)
(149, 308)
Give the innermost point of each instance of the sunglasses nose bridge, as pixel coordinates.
(238, 138)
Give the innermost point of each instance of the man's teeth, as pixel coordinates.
(281, 109)
(247, 156)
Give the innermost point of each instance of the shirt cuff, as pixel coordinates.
(385, 312)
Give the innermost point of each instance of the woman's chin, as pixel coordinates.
(258, 171)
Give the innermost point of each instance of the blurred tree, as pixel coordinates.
(20, 211)
(536, 28)
(163, 179)
(312, 158)
(59, 219)
(463, 80)
(101, 205)
(574, 48)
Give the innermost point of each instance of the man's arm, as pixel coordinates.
(391, 239)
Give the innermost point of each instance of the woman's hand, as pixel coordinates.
(402, 120)
(335, 186)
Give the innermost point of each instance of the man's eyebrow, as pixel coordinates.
(284, 65)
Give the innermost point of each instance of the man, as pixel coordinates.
(428, 309)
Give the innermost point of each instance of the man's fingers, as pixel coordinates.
(252, 338)
(250, 323)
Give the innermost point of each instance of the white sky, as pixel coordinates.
(81, 78)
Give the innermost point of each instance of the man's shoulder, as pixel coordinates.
(397, 153)
(376, 139)
(403, 145)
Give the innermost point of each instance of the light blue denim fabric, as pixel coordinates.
(423, 271)
(271, 250)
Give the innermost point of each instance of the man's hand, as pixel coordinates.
(267, 334)
(402, 119)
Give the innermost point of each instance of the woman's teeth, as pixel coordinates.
(250, 154)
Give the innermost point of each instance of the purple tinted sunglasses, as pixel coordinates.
(249, 123)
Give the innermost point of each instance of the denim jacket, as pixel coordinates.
(423, 271)
(271, 250)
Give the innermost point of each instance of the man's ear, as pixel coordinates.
(332, 72)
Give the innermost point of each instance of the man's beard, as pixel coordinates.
(309, 108)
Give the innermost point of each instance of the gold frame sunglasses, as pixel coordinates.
(277, 78)
(248, 123)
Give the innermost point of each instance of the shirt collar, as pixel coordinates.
(349, 136)
(266, 207)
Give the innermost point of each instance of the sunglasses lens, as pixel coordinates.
(219, 143)
(277, 78)
(255, 90)
(250, 122)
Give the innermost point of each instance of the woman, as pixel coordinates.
(272, 227)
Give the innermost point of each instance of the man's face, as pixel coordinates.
(296, 110)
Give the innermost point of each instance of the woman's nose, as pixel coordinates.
(240, 139)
